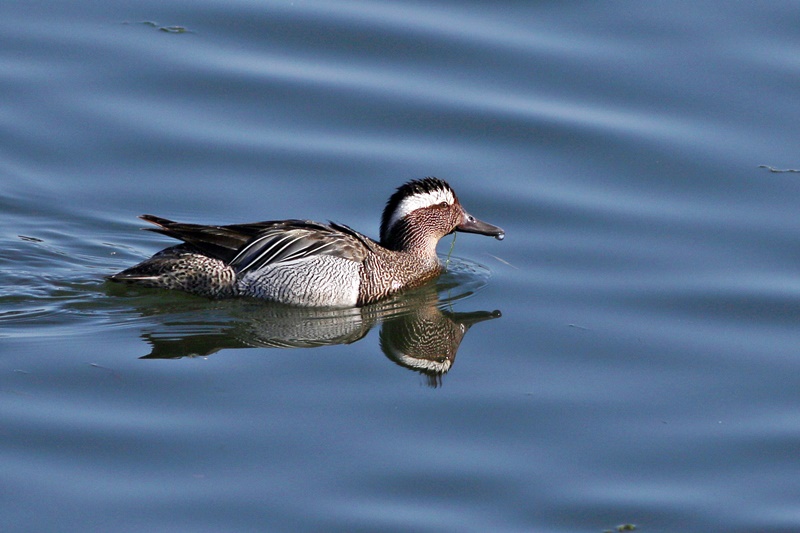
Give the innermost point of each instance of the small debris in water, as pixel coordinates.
(159, 27)
(173, 29)
(502, 261)
(778, 170)
(576, 326)
(621, 528)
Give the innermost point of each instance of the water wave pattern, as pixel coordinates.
(644, 369)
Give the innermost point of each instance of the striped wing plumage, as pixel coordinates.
(252, 246)
(282, 245)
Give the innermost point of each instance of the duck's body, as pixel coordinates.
(300, 262)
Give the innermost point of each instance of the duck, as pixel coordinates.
(312, 264)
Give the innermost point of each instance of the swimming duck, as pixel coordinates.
(306, 263)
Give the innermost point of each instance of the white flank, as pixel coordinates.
(418, 201)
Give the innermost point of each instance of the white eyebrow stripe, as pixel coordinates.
(410, 204)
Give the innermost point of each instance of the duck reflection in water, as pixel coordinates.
(418, 331)
(427, 339)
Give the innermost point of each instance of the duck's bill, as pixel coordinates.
(470, 224)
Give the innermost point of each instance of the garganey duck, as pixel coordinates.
(306, 263)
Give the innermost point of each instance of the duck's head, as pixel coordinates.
(423, 211)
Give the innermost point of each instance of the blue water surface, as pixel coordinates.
(633, 355)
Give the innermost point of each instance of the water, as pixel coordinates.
(636, 354)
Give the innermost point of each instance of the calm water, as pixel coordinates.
(635, 352)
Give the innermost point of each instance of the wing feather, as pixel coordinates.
(252, 246)
(283, 246)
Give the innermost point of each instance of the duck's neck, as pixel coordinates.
(416, 243)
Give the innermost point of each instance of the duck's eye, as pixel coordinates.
(444, 204)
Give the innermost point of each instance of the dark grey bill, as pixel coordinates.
(470, 224)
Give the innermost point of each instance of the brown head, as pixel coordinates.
(423, 211)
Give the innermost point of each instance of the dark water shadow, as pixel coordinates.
(419, 329)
